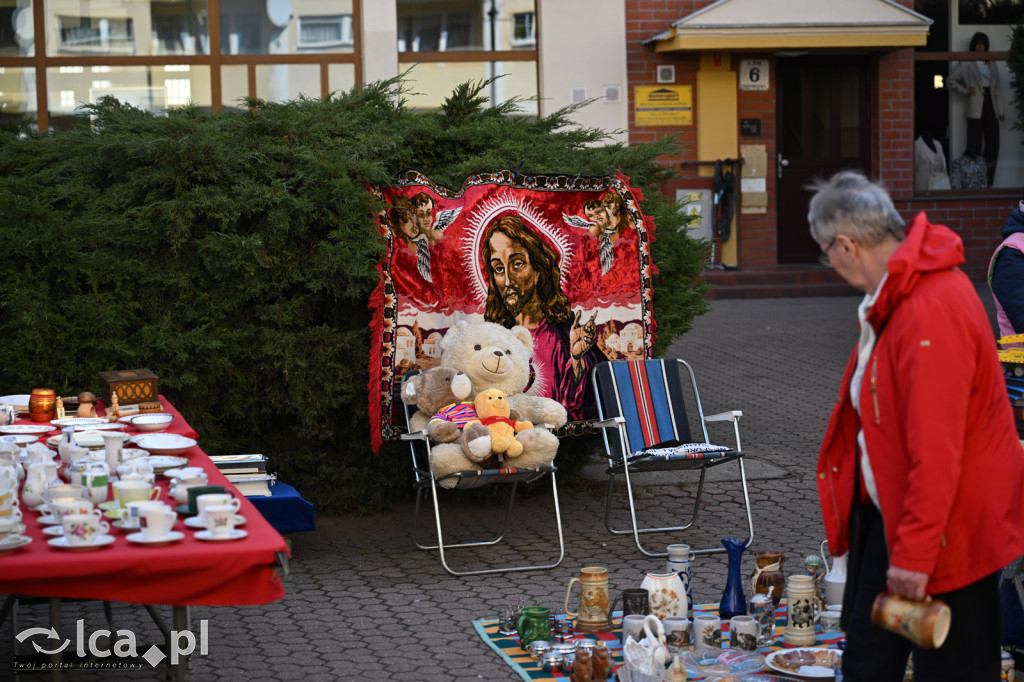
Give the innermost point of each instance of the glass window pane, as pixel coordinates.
(792, 90)
(138, 27)
(821, 114)
(341, 77)
(17, 96)
(283, 82)
(16, 38)
(432, 25)
(848, 82)
(311, 26)
(152, 88)
(234, 85)
(433, 82)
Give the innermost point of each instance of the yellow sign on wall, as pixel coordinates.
(664, 105)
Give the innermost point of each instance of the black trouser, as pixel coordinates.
(971, 652)
(983, 136)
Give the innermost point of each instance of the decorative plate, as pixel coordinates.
(728, 661)
(162, 463)
(164, 443)
(78, 421)
(24, 429)
(808, 662)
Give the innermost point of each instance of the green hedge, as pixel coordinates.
(233, 254)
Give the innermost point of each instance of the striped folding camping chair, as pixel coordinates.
(642, 406)
(425, 479)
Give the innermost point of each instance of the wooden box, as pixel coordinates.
(132, 385)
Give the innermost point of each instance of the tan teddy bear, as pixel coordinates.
(494, 412)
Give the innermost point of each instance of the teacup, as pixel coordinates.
(204, 502)
(65, 490)
(219, 519)
(156, 521)
(71, 506)
(198, 490)
(83, 529)
(10, 524)
(132, 512)
(830, 618)
(134, 491)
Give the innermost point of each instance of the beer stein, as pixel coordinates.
(593, 606)
(803, 609)
(925, 623)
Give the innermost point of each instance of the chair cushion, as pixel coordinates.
(684, 450)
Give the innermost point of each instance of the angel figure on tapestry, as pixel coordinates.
(606, 219)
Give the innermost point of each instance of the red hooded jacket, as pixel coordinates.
(938, 427)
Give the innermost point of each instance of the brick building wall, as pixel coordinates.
(978, 220)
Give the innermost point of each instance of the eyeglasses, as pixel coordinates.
(823, 258)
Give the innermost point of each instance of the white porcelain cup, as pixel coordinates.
(132, 512)
(677, 634)
(156, 521)
(71, 506)
(83, 529)
(743, 633)
(830, 620)
(134, 491)
(220, 519)
(203, 502)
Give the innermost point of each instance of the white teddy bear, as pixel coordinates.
(495, 357)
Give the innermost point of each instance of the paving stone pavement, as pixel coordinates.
(363, 604)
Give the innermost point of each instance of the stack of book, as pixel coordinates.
(248, 473)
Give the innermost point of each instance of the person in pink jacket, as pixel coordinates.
(921, 474)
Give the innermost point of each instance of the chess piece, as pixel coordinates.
(60, 407)
(86, 405)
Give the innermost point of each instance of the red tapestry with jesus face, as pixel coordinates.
(567, 257)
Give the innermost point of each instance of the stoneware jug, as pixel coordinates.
(835, 578)
(679, 562)
(593, 611)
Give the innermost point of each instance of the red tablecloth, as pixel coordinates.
(182, 573)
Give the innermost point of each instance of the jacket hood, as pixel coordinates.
(926, 248)
(1015, 223)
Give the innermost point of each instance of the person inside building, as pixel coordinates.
(921, 472)
(1006, 275)
(979, 81)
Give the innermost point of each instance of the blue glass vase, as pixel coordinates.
(734, 602)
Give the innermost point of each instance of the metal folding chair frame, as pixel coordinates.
(425, 479)
(617, 466)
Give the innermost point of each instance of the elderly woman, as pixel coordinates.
(920, 474)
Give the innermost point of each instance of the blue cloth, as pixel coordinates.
(286, 510)
(1008, 275)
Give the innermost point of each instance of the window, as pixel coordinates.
(524, 28)
(437, 32)
(964, 136)
(93, 34)
(322, 31)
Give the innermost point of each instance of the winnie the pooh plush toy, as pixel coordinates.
(494, 412)
(495, 357)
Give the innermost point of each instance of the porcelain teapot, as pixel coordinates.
(835, 580)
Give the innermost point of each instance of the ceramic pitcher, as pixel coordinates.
(96, 478)
(37, 479)
(835, 578)
(7, 414)
(667, 594)
(593, 610)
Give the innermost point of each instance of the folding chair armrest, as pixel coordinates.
(724, 416)
(608, 423)
(415, 435)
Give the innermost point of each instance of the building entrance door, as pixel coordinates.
(823, 126)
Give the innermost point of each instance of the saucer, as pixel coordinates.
(207, 535)
(109, 505)
(162, 463)
(18, 529)
(120, 526)
(77, 422)
(48, 520)
(172, 536)
(196, 522)
(13, 542)
(23, 429)
(100, 541)
(183, 510)
(53, 531)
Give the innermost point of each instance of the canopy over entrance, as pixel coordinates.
(760, 25)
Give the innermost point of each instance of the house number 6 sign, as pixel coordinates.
(754, 74)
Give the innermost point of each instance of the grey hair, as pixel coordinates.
(848, 203)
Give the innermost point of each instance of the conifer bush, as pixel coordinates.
(234, 254)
